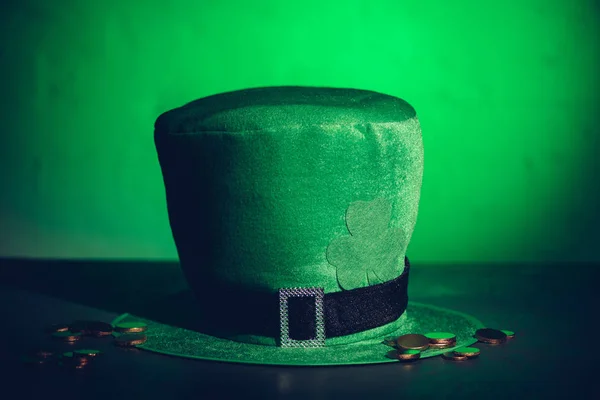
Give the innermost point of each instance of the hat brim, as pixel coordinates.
(418, 318)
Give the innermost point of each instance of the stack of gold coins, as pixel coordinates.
(408, 345)
(441, 340)
(127, 335)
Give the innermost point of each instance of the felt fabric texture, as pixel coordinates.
(418, 318)
(290, 187)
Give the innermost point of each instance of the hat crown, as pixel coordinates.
(271, 108)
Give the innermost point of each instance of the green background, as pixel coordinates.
(507, 94)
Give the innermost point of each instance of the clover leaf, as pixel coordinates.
(369, 255)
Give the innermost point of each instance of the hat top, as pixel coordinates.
(273, 108)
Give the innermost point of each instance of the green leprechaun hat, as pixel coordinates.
(292, 209)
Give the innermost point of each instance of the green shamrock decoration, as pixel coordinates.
(370, 254)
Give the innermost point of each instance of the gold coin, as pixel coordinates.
(434, 346)
(130, 339)
(389, 342)
(86, 353)
(441, 337)
(131, 327)
(67, 336)
(470, 352)
(408, 355)
(492, 336)
(509, 334)
(413, 341)
(453, 357)
(404, 355)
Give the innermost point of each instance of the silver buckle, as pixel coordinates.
(284, 295)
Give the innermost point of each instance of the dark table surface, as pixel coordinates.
(552, 308)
